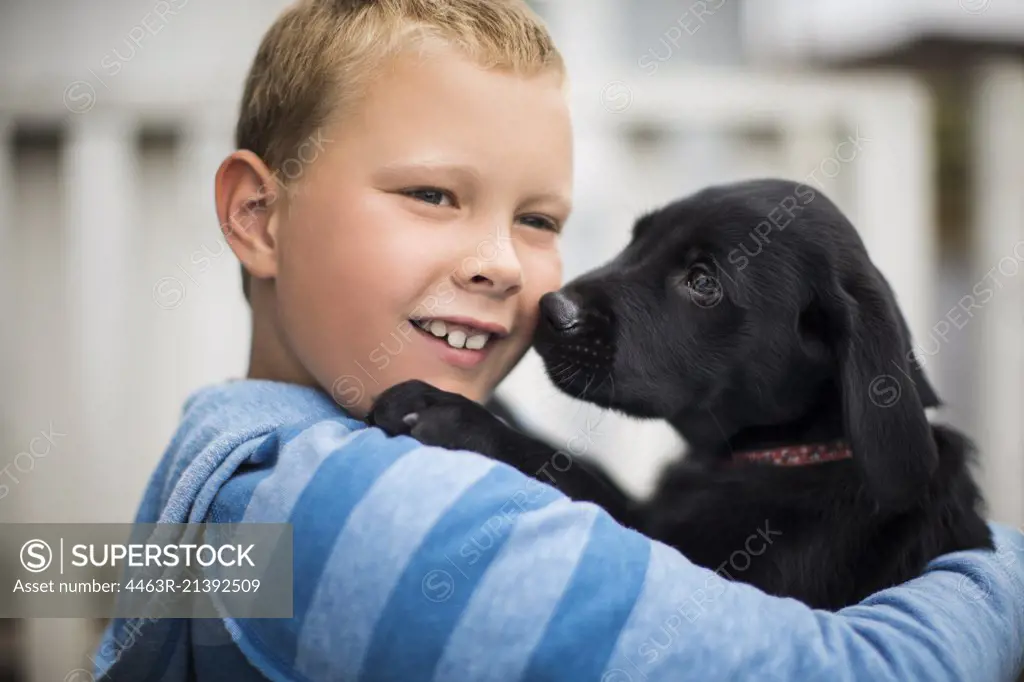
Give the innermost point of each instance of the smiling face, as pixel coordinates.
(420, 240)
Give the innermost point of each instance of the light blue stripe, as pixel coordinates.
(439, 581)
(297, 462)
(590, 611)
(509, 610)
(371, 553)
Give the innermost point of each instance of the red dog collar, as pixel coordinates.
(797, 455)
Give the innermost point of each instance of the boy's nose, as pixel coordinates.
(492, 282)
(501, 274)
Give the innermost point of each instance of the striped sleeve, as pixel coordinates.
(418, 563)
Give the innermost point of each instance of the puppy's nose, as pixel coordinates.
(560, 312)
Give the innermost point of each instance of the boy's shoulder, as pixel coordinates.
(221, 428)
(243, 404)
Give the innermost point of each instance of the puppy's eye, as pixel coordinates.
(703, 286)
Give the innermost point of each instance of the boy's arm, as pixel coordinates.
(421, 563)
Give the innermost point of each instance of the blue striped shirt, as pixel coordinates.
(418, 563)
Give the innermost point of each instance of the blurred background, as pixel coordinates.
(119, 296)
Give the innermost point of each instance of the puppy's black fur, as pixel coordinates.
(748, 316)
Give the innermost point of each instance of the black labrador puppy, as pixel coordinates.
(750, 317)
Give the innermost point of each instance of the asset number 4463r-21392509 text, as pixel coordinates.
(197, 585)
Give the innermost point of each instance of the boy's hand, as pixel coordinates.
(444, 419)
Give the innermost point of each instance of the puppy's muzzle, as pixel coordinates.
(573, 329)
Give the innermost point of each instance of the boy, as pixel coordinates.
(415, 243)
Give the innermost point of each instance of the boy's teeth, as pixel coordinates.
(456, 339)
(476, 342)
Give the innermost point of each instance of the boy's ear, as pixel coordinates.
(246, 193)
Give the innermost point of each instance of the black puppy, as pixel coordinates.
(751, 318)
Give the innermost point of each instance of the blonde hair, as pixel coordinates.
(318, 56)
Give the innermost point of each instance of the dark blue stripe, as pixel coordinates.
(233, 498)
(421, 613)
(588, 616)
(320, 513)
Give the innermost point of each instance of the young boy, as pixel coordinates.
(412, 238)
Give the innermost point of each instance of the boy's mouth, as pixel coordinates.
(468, 334)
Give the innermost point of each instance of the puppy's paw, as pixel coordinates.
(395, 409)
(435, 417)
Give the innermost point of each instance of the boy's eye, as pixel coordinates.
(540, 222)
(431, 195)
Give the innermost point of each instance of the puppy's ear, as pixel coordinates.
(925, 392)
(883, 412)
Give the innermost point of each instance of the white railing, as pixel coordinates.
(998, 156)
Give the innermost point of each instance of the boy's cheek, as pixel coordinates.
(514, 351)
(548, 271)
(446, 292)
